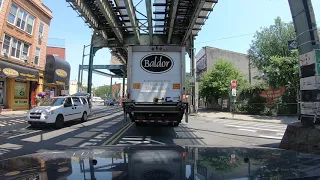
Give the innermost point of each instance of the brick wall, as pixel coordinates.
(34, 8)
(57, 52)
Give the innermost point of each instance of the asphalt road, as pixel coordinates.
(107, 127)
(13, 122)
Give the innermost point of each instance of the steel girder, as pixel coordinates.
(133, 19)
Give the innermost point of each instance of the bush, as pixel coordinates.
(250, 100)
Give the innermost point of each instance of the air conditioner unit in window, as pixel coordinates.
(5, 52)
(25, 58)
(40, 36)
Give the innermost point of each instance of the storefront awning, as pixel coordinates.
(57, 71)
(18, 72)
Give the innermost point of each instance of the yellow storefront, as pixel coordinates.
(20, 84)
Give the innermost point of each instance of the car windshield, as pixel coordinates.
(53, 102)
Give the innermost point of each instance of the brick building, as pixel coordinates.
(24, 29)
(57, 48)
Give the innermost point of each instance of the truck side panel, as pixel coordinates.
(149, 80)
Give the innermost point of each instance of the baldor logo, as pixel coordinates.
(157, 174)
(10, 72)
(156, 63)
(61, 73)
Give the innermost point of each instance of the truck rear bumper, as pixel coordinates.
(156, 113)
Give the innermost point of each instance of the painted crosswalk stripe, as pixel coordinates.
(255, 128)
(23, 134)
(270, 137)
(250, 130)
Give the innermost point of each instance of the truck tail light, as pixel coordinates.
(184, 154)
(184, 97)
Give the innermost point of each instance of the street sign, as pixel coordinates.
(234, 84)
(192, 79)
(292, 45)
(234, 92)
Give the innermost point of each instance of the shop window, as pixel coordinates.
(41, 29)
(37, 57)
(25, 51)
(21, 20)
(15, 47)
(13, 13)
(20, 90)
(6, 44)
(30, 24)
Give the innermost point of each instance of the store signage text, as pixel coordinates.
(61, 73)
(21, 102)
(10, 72)
(60, 83)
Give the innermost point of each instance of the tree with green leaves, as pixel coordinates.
(217, 83)
(102, 91)
(270, 54)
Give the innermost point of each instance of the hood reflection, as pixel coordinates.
(163, 162)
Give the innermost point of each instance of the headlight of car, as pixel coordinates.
(48, 112)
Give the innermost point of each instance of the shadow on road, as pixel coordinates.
(90, 133)
(160, 134)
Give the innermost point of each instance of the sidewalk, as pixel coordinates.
(243, 117)
(15, 113)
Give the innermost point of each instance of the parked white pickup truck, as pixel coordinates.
(58, 110)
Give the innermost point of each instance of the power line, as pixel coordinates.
(231, 37)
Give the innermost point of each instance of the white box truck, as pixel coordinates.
(156, 85)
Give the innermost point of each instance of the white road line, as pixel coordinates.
(255, 128)
(271, 137)
(280, 134)
(250, 130)
(23, 134)
(134, 142)
(158, 142)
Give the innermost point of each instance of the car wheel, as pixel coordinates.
(84, 117)
(59, 122)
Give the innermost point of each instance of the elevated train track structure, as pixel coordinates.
(118, 24)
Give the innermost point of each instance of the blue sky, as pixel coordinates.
(231, 26)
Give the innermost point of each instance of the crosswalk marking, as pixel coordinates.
(271, 137)
(265, 129)
(250, 130)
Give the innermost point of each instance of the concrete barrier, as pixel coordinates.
(302, 139)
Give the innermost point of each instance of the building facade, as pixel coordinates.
(205, 61)
(24, 29)
(57, 48)
(208, 56)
